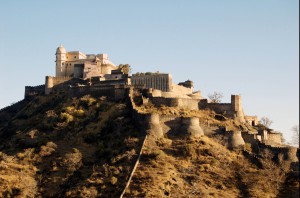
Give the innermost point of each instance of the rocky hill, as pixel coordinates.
(56, 146)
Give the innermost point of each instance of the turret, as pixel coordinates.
(60, 61)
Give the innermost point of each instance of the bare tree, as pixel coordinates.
(295, 137)
(215, 97)
(266, 121)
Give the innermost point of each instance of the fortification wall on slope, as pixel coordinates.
(220, 108)
(274, 138)
(250, 138)
(34, 90)
(289, 153)
(231, 110)
(113, 92)
(51, 82)
(184, 103)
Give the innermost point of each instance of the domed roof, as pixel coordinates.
(61, 49)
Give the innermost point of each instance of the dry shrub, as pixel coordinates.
(248, 147)
(128, 155)
(48, 149)
(113, 180)
(16, 179)
(190, 151)
(27, 155)
(66, 117)
(131, 141)
(79, 113)
(72, 161)
(32, 133)
(51, 114)
(87, 100)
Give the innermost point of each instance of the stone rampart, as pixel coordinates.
(169, 102)
(251, 120)
(57, 84)
(113, 92)
(190, 104)
(290, 153)
(34, 90)
(185, 103)
(250, 138)
(181, 90)
(220, 108)
(231, 110)
(274, 138)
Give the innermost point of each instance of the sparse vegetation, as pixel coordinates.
(86, 147)
(215, 97)
(125, 68)
(265, 121)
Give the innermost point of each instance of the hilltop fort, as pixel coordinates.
(78, 74)
(94, 130)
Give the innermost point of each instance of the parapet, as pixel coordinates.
(34, 90)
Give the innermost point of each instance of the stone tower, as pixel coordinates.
(237, 108)
(60, 61)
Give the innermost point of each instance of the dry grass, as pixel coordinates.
(201, 168)
(86, 147)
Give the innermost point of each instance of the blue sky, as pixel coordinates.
(235, 47)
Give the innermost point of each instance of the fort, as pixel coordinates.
(79, 74)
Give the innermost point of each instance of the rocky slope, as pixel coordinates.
(55, 146)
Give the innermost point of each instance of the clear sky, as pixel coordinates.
(235, 47)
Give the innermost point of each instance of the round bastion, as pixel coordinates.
(153, 126)
(191, 125)
(235, 139)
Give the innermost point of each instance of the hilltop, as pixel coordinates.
(92, 130)
(60, 146)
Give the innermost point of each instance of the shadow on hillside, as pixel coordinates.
(290, 187)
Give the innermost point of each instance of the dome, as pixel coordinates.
(61, 50)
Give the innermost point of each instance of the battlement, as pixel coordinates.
(34, 90)
(231, 110)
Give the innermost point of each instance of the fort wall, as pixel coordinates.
(180, 90)
(185, 103)
(34, 90)
(231, 110)
(274, 138)
(290, 153)
(251, 120)
(113, 92)
(250, 138)
(51, 81)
